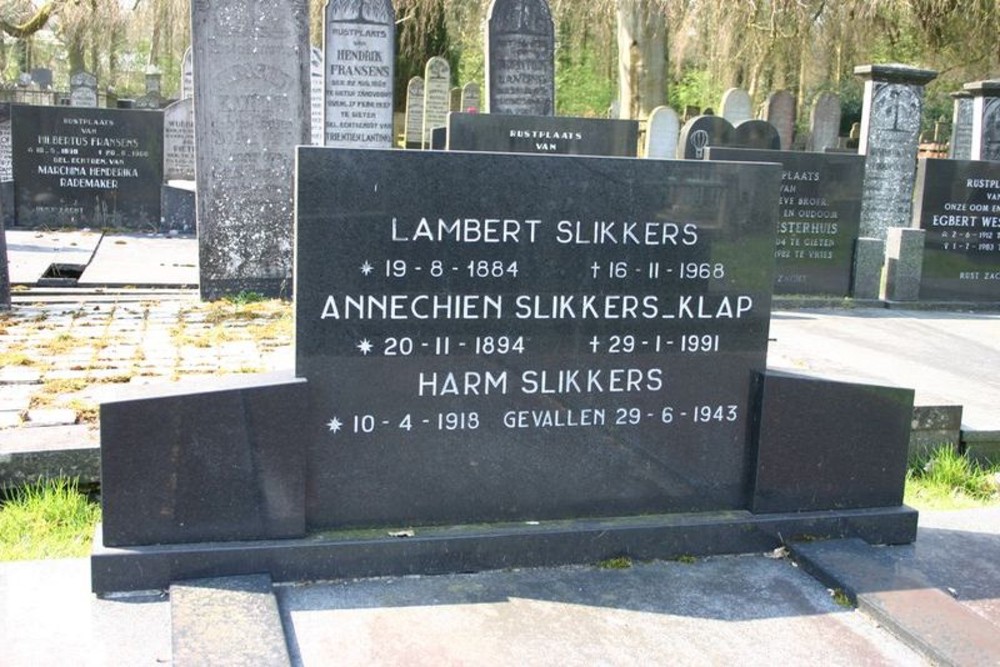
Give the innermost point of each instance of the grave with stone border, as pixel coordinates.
(497, 367)
(818, 217)
(80, 167)
(542, 134)
(957, 204)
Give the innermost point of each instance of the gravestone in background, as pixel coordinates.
(359, 56)
(316, 99)
(413, 131)
(471, 98)
(187, 74)
(455, 99)
(6, 168)
(437, 96)
(78, 167)
(824, 123)
(736, 106)
(781, 114)
(82, 89)
(42, 77)
(252, 92)
(494, 337)
(149, 101)
(662, 133)
(960, 146)
(542, 134)
(890, 135)
(818, 217)
(701, 132)
(985, 120)
(178, 141)
(520, 58)
(958, 206)
(756, 134)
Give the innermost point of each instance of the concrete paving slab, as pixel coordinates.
(48, 616)
(947, 358)
(728, 610)
(141, 260)
(31, 252)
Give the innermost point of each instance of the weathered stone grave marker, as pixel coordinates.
(520, 58)
(6, 167)
(413, 128)
(736, 106)
(890, 134)
(437, 93)
(178, 141)
(187, 74)
(662, 133)
(985, 120)
(818, 217)
(316, 95)
(824, 123)
(359, 58)
(252, 109)
(83, 89)
(781, 114)
(471, 98)
(958, 206)
(960, 147)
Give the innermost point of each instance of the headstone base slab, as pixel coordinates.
(440, 550)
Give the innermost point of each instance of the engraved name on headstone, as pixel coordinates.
(413, 128)
(662, 133)
(890, 135)
(359, 56)
(495, 337)
(6, 155)
(520, 58)
(818, 217)
(252, 90)
(958, 206)
(316, 100)
(178, 141)
(471, 98)
(77, 167)
(437, 96)
(960, 147)
(82, 89)
(824, 123)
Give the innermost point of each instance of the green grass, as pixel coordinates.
(947, 480)
(47, 519)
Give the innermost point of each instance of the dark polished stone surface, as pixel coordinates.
(756, 134)
(112, 180)
(701, 132)
(479, 548)
(818, 218)
(4, 270)
(204, 461)
(580, 343)
(178, 210)
(542, 134)
(824, 445)
(957, 202)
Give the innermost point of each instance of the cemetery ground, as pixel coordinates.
(65, 350)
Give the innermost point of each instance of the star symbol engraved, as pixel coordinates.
(335, 424)
(365, 346)
(367, 268)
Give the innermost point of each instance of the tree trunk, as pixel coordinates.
(642, 57)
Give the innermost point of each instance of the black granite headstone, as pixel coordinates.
(178, 210)
(78, 167)
(224, 462)
(958, 205)
(756, 134)
(504, 337)
(824, 445)
(701, 132)
(818, 218)
(42, 76)
(542, 134)
(4, 270)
